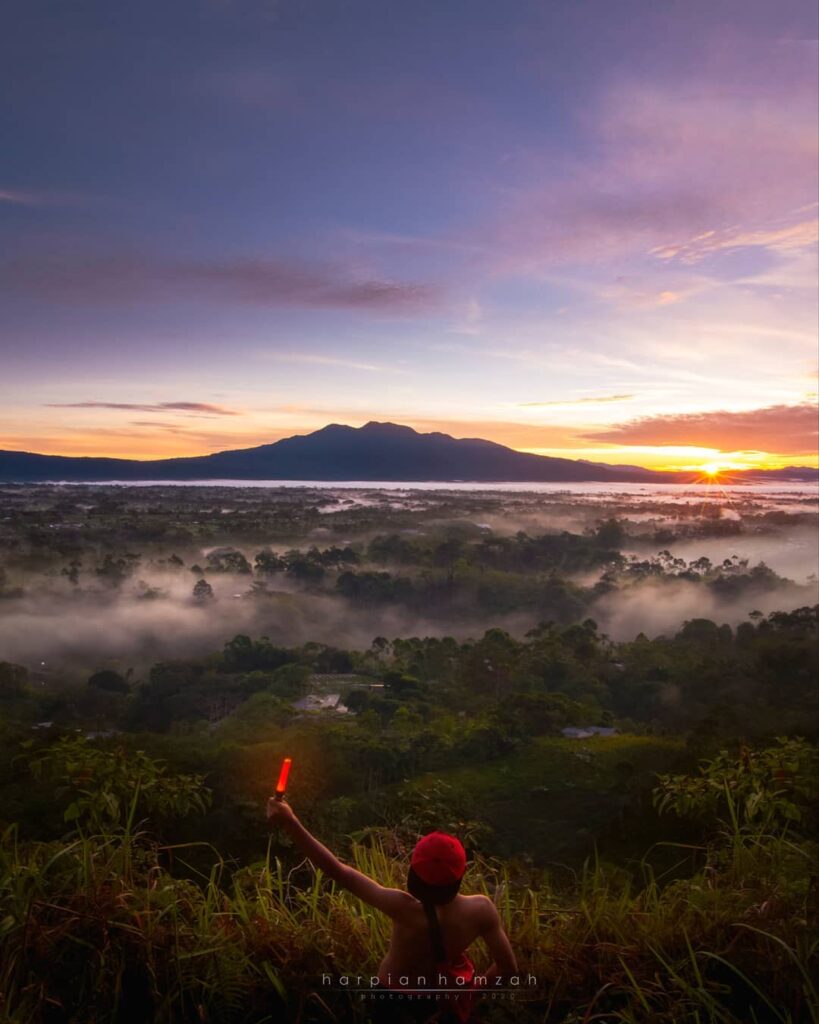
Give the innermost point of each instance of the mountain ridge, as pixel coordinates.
(377, 451)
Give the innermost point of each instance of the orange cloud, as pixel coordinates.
(778, 435)
(777, 428)
(147, 439)
(160, 441)
(781, 239)
(578, 401)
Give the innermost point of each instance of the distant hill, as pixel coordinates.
(788, 474)
(376, 451)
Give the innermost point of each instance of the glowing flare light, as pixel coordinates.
(281, 785)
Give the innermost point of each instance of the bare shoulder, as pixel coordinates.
(402, 904)
(402, 898)
(483, 909)
(394, 902)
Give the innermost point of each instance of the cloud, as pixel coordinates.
(41, 197)
(146, 439)
(197, 407)
(801, 235)
(136, 439)
(18, 196)
(320, 360)
(791, 429)
(191, 408)
(256, 282)
(693, 167)
(578, 401)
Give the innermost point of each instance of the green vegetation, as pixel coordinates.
(99, 926)
(429, 562)
(135, 877)
(641, 806)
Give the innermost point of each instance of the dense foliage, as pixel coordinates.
(99, 924)
(641, 806)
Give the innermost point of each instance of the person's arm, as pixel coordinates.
(389, 901)
(497, 942)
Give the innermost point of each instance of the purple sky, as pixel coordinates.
(578, 227)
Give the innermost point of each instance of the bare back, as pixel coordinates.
(462, 921)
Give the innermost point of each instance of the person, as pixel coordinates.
(433, 923)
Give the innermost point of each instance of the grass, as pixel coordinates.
(108, 926)
(95, 931)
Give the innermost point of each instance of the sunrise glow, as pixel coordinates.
(428, 388)
(610, 257)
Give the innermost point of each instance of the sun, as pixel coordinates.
(712, 469)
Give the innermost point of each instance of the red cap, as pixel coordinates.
(439, 859)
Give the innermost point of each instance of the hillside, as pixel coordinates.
(376, 451)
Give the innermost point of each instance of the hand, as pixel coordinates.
(279, 812)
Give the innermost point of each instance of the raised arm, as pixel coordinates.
(389, 901)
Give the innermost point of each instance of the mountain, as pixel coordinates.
(788, 474)
(376, 451)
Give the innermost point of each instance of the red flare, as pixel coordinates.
(281, 785)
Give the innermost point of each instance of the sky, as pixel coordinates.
(581, 228)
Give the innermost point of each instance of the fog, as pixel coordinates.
(75, 630)
(59, 628)
(660, 607)
(793, 552)
(72, 630)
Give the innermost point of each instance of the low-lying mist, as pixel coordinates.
(83, 630)
(792, 552)
(660, 607)
(61, 614)
(86, 630)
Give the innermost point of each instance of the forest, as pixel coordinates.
(609, 696)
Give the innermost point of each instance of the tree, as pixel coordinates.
(357, 701)
(333, 660)
(392, 548)
(403, 687)
(267, 563)
(228, 560)
(115, 570)
(289, 681)
(536, 714)
(241, 654)
(704, 631)
(110, 681)
(610, 534)
(202, 592)
(72, 571)
(380, 647)
(304, 569)
(13, 679)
